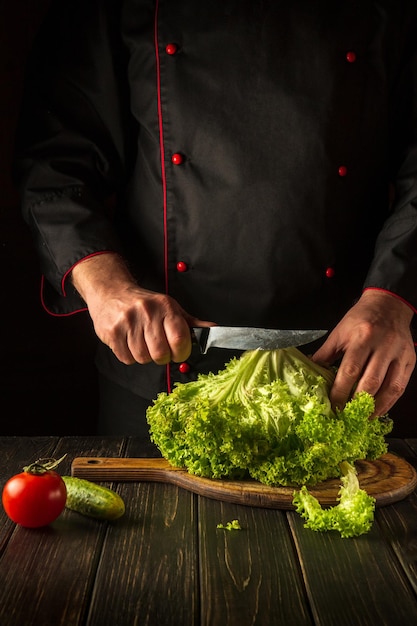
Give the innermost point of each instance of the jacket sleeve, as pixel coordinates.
(394, 266)
(71, 149)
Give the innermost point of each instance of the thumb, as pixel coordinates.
(195, 322)
(327, 354)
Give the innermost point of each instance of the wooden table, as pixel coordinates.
(166, 563)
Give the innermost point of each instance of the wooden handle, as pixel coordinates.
(123, 469)
(388, 479)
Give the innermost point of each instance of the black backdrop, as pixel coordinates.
(47, 376)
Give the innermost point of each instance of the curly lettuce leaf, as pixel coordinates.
(351, 517)
(267, 416)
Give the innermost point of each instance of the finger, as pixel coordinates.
(373, 375)
(117, 342)
(178, 337)
(163, 342)
(386, 376)
(348, 374)
(392, 387)
(328, 353)
(134, 344)
(122, 353)
(152, 345)
(195, 322)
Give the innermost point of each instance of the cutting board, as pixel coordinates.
(388, 479)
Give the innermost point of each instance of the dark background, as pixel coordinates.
(47, 377)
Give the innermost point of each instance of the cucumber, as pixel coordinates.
(92, 500)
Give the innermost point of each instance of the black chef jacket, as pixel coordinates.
(255, 159)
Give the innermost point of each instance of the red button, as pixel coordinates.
(184, 368)
(330, 272)
(171, 48)
(342, 170)
(177, 158)
(181, 266)
(350, 56)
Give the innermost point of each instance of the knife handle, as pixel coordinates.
(199, 337)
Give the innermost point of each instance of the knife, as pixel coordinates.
(243, 338)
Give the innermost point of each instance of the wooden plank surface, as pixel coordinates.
(166, 563)
(358, 581)
(399, 523)
(46, 574)
(244, 577)
(147, 573)
(248, 576)
(353, 582)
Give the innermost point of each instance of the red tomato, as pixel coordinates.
(34, 499)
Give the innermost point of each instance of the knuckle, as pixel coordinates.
(157, 351)
(395, 389)
(410, 357)
(371, 383)
(123, 356)
(160, 357)
(178, 341)
(141, 358)
(352, 370)
(366, 330)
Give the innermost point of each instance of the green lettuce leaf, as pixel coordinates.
(265, 416)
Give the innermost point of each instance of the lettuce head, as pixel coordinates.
(266, 416)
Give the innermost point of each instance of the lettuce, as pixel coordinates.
(266, 416)
(352, 516)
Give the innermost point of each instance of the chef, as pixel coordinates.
(234, 162)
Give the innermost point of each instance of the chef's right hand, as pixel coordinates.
(138, 325)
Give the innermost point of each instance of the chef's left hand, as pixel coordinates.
(374, 343)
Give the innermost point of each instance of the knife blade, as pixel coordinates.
(244, 338)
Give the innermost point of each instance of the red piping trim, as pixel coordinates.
(163, 173)
(89, 256)
(63, 289)
(44, 306)
(391, 294)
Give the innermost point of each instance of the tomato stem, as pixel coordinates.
(43, 465)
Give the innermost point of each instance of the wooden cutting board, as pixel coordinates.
(388, 479)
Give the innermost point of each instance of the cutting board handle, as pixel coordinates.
(123, 469)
